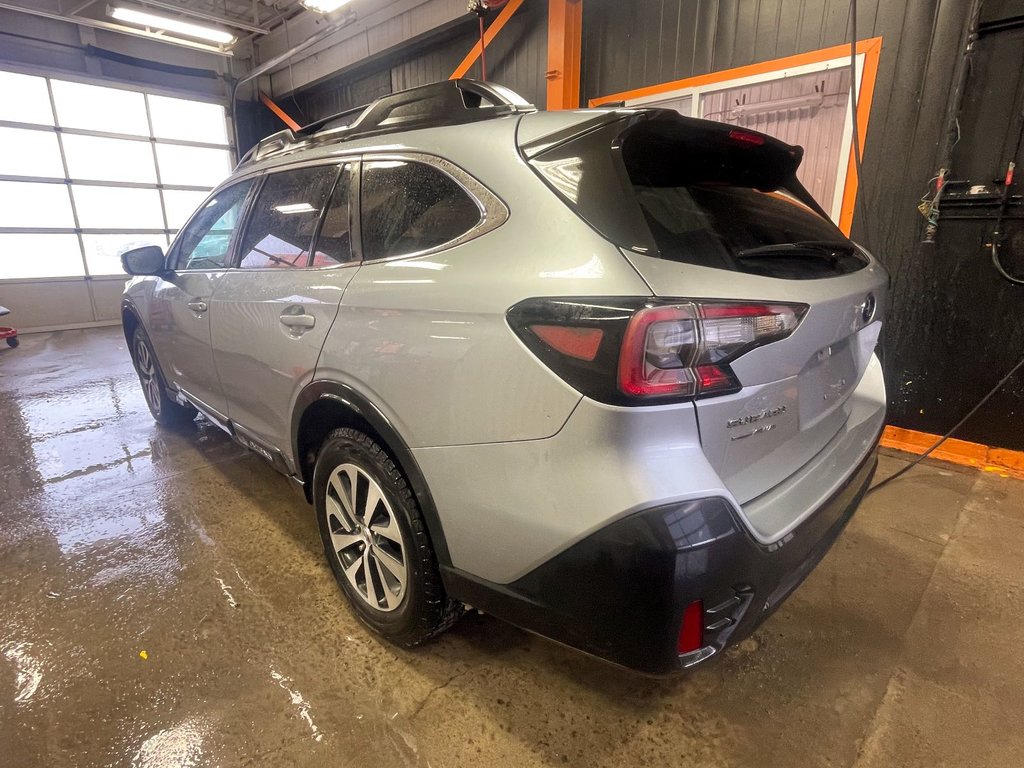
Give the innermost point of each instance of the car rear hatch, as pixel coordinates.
(707, 212)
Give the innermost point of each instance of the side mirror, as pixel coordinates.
(147, 260)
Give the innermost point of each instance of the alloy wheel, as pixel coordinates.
(366, 538)
(147, 375)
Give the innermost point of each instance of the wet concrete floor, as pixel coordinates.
(164, 601)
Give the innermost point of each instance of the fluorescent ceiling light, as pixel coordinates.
(324, 6)
(171, 25)
(294, 208)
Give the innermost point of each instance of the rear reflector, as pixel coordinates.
(581, 343)
(691, 633)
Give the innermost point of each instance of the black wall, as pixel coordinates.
(955, 328)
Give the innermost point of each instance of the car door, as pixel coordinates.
(179, 316)
(272, 312)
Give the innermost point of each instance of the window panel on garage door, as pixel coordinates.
(98, 108)
(195, 166)
(35, 205)
(187, 120)
(36, 255)
(95, 158)
(25, 99)
(117, 207)
(38, 153)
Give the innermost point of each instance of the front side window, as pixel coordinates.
(206, 242)
(408, 207)
(284, 218)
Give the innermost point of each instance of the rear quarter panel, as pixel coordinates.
(426, 338)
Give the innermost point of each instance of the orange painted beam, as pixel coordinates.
(1001, 461)
(268, 102)
(872, 50)
(492, 31)
(565, 43)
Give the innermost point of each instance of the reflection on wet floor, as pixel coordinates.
(165, 603)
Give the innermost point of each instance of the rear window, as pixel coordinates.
(701, 193)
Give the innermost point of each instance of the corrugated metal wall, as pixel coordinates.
(517, 58)
(808, 110)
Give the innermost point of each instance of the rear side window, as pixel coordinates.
(701, 193)
(408, 207)
(284, 218)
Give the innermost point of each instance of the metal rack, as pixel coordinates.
(450, 102)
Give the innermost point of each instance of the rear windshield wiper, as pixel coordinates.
(828, 249)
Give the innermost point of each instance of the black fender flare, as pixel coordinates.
(128, 306)
(364, 408)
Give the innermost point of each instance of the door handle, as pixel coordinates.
(198, 306)
(298, 321)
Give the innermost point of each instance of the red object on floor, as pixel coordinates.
(6, 332)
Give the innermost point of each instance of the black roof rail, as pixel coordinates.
(450, 102)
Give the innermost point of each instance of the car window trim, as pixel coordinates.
(243, 221)
(352, 167)
(493, 211)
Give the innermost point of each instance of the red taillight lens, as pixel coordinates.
(581, 343)
(657, 351)
(685, 349)
(691, 631)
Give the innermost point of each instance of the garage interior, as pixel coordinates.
(165, 595)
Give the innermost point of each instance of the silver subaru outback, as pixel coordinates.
(606, 374)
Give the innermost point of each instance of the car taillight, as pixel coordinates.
(627, 351)
(685, 349)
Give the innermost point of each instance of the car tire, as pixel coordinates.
(165, 410)
(376, 541)
(13, 341)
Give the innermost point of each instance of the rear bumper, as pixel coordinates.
(620, 593)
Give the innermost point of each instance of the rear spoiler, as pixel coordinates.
(774, 160)
(660, 147)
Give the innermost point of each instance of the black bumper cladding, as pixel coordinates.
(620, 593)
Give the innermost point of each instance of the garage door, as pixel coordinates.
(86, 172)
